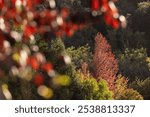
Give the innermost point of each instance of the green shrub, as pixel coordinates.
(131, 94)
(80, 55)
(122, 92)
(140, 21)
(90, 89)
(132, 64)
(142, 86)
(148, 62)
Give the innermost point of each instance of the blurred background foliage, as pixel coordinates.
(75, 76)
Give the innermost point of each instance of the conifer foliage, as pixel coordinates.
(105, 64)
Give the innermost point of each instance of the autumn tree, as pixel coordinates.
(105, 64)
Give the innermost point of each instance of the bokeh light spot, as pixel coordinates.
(45, 92)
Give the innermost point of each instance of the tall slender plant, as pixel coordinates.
(105, 64)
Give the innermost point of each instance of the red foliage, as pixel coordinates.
(105, 64)
(38, 80)
(20, 20)
(32, 61)
(1, 41)
(95, 5)
(110, 11)
(24, 15)
(1, 3)
(115, 24)
(29, 30)
(47, 67)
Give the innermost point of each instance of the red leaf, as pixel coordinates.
(115, 23)
(31, 3)
(11, 14)
(29, 30)
(1, 4)
(104, 1)
(38, 80)
(33, 62)
(47, 67)
(69, 30)
(105, 6)
(37, 1)
(13, 2)
(1, 41)
(64, 12)
(95, 5)
(107, 19)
